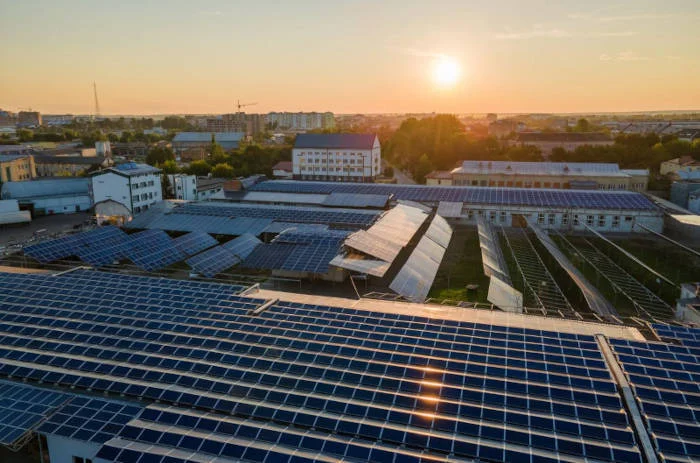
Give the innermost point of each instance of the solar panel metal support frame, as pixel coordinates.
(622, 281)
(532, 268)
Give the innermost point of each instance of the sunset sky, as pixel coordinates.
(155, 57)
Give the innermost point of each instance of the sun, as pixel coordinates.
(446, 71)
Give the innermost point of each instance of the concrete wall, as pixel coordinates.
(62, 450)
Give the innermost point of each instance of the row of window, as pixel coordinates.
(337, 161)
(332, 169)
(550, 219)
(144, 196)
(531, 184)
(143, 184)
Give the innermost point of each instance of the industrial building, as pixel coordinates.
(136, 186)
(50, 196)
(17, 167)
(566, 210)
(547, 141)
(186, 141)
(557, 175)
(339, 157)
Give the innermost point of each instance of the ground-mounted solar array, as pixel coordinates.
(297, 381)
(153, 249)
(685, 335)
(473, 195)
(665, 379)
(194, 242)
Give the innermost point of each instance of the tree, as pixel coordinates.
(25, 135)
(169, 167)
(423, 168)
(159, 154)
(222, 171)
(199, 168)
(582, 125)
(388, 171)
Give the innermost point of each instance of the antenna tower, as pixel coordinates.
(97, 103)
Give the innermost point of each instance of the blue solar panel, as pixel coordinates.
(23, 407)
(688, 336)
(472, 195)
(90, 420)
(194, 242)
(220, 258)
(334, 381)
(97, 247)
(152, 250)
(269, 256)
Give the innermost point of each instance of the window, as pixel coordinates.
(470, 214)
(628, 218)
(492, 216)
(503, 216)
(81, 460)
(540, 218)
(616, 221)
(601, 220)
(550, 219)
(576, 220)
(565, 219)
(589, 220)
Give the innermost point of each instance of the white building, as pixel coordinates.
(192, 188)
(63, 195)
(301, 121)
(136, 186)
(339, 157)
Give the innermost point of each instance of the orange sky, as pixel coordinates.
(361, 56)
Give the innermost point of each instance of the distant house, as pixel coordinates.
(547, 141)
(439, 177)
(61, 166)
(187, 141)
(283, 170)
(16, 167)
(136, 186)
(682, 164)
(339, 157)
(688, 135)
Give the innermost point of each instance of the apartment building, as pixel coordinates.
(339, 157)
(301, 121)
(136, 186)
(16, 167)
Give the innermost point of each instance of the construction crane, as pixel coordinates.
(238, 103)
(97, 103)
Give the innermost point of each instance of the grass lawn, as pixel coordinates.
(460, 267)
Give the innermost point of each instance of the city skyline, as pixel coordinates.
(364, 57)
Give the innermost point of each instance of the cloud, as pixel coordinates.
(613, 34)
(624, 56)
(534, 33)
(634, 17)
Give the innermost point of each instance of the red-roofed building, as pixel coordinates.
(283, 169)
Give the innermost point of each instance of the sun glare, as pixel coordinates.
(446, 71)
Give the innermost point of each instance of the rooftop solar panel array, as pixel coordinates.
(685, 335)
(90, 419)
(474, 195)
(665, 379)
(97, 247)
(217, 259)
(194, 242)
(190, 223)
(337, 199)
(24, 407)
(302, 380)
(152, 250)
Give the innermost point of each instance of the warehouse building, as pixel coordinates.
(50, 196)
(557, 175)
(566, 210)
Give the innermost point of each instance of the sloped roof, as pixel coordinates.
(362, 141)
(283, 165)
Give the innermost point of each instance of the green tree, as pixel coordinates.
(199, 168)
(169, 167)
(423, 168)
(582, 125)
(159, 154)
(222, 171)
(25, 135)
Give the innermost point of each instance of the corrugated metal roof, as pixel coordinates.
(362, 141)
(12, 157)
(50, 187)
(129, 169)
(539, 168)
(287, 198)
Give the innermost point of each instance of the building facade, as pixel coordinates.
(301, 121)
(28, 119)
(50, 196)
(65, 166)
(557, 175)
(336, 157)
(189, 141)
(250, 124)
(547, 141)
(17, 167)
(674, 166)
(136, 186)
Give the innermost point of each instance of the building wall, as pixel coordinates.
(349, 165)
(61, 205)
(18, 170)
(59, 169)
(438, 181)
(203, 195)
(302, 121)
(183, 187)
(62, 450)
(613, 221)
(548, 181)
(138, 192)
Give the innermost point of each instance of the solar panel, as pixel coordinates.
(24, 407)
(473, 195)
(242, 246)
(342, 380)
(269, 256)
(220, 258)
(685, 335)
(90, 420)
(337, 199)
(97, 247)
(153, 249)
(194, 242)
